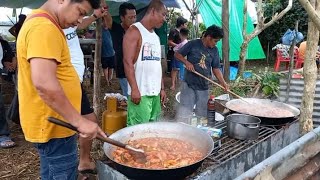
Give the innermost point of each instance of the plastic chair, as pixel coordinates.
(299, 61)
(280, 59)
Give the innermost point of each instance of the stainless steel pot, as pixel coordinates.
(243, 127)
(180, 131)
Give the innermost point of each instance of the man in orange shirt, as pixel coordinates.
(49, 86)
(303, 49)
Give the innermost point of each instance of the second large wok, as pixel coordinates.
(258, 107)
(187, 133)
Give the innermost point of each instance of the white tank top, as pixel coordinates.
(77, 57)
(148, 71)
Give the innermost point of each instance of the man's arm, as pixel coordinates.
(181, 58)
(219, 76)
(171, 43)
(43, 75)
(130, 48)
(107, 20)
(170, 38)
(97, 13)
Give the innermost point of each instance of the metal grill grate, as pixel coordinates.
(227, 148)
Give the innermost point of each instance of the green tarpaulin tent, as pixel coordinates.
(211, 11)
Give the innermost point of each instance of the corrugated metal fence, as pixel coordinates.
(295, 95)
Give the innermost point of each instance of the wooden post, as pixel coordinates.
(310, 74)
(225, 40)
(291, 53)
(96, 72)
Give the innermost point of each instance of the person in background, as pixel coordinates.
(7, 62)
(184, 33)
(142, 64)
(14, 30)
(86, 166)
(173, 40)
(91, 33)
(128, 16)
(302, 53)
(47, 78)
(108, 55)
(202, 56)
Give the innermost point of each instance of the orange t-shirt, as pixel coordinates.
(302, 49)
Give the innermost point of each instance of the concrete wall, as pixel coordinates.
(288, 160)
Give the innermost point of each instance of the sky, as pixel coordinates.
(4, 12)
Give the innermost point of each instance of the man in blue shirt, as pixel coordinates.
(107, 55)
(202, 56)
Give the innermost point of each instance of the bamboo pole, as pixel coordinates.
(96, 72)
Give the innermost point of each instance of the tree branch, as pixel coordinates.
(312, 14)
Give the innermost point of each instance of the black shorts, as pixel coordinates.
(108, 62)
(85, 103)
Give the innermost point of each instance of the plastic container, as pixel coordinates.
(194, 120)
(213, 132)
(211, 111)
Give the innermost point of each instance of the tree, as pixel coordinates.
(312, 13)
(309, 69)
(172, 18)
(96, 71)
(257, 30)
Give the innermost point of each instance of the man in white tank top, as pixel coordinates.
(142, 65)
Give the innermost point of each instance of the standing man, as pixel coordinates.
(86, 165)
(49, 86)
(128, 16)
(173, 40)
(202, 56)
(9, 63)
(142, 64)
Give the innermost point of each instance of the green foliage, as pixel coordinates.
(270, 83)
(276, 31)
(202, 27)
(172, 18)
(266, 83)
(243, 86)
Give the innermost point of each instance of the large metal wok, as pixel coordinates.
(253, 105)
(180, 131)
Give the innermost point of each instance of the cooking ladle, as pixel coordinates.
(134, 151)
(236, 95)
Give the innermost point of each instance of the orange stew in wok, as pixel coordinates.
(161, 153)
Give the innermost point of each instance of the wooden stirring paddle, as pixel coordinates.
(217, 84)
(138, 152)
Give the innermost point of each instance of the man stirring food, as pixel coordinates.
(48, 85)
(202, 56)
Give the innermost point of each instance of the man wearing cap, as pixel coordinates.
(173, 40)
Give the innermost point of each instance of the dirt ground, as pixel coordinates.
(22, 161)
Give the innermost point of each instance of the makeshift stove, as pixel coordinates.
(230, 157)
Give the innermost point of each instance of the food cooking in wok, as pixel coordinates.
(262, 108)
(161, 153)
